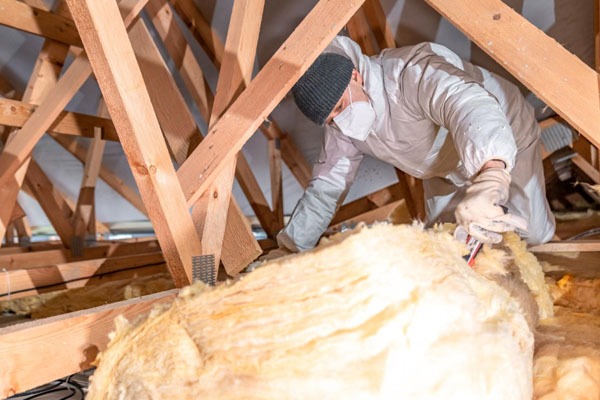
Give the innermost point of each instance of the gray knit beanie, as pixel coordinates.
(320, 88)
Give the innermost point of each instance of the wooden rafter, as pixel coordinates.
(180, 129)
(69, 342)
(201, 29)
(211, 209)
(181, 53)
(129, 104)
(243, 172)
(38, 22)
(533, 58)
(262, 95)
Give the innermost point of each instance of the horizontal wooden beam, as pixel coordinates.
(20, 280)
(558, 77)
(42, 258)
(39, 22)
(566, 246)
(226, 138)
(16, 113)
(126, 274)
(38, 352)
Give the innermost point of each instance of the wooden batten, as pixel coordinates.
(69, 343)
(531, 57)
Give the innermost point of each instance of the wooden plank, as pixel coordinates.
(16, 113)
(566, 246)
(52, 202)
(359, 31)
(533, 58)
(587, 168)
(179, 129)
(255, 196)
(121, 275)
(276, 181)
(295, 161)
(182, 55)
(170, 33)
(109, 177)
(378, 22)
(23, 230)
(44, 257)
(17, 213)
(38, 22)
(69, 343)
(18, 280)
(211, 209)
(265, 91)
(85, 214)
(201, 29)
(122, 86)
(176, 121)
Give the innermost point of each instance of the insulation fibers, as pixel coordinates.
(388, 312)
(567, 357)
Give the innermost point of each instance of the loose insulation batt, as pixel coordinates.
(389, 312)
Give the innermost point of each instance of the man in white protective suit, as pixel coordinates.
(468, 133)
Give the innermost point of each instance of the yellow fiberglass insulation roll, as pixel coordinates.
(390, 312)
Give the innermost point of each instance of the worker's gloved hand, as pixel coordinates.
(481, 212)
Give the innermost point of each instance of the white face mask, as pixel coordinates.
(356, 120)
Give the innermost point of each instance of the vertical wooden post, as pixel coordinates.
(211, 209)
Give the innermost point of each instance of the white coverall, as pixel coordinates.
(440, 119)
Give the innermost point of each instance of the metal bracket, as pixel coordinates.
(203, 269)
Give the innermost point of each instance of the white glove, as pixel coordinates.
(481, 213)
